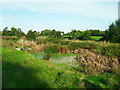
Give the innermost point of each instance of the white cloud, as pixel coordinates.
(97, 10)
(89, 9)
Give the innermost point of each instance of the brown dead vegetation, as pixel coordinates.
(63, 50)
(37, 49)
(94, 62)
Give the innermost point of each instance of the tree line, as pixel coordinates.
(112, 34)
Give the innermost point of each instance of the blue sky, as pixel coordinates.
(62, 16)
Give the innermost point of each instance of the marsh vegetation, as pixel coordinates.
(78, 59)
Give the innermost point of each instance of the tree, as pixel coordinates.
(85, 35)
(31, 35)
(6, 32)
(19, 33)
(94, 32)
(46, 32)
(13, 31)
(56, 34)
(74, 34)
(113, 33)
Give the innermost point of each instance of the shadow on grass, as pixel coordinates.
(16, 76)
(90, 85)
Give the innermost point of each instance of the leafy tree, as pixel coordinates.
(84, 36)
(13, 31)
(6, 32)
(19, 33)
(56, 34)
(31, 35)
(113, 33)
(94, 32)
(102, 33)
(46, 32)
(74, 34)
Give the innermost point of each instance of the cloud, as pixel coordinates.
(99, 14)
(107, 10)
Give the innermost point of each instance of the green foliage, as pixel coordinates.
(104, 80)
(31, 35)
(96, 37)
(29, 72)
(22, 70)
(13, 32)
(53, 40)
(56, 34)
(74, 34)
(46, 32)
(113, 33)
(73, 46)
(81, 35)
(64, 42)
(6, 32)
(111, 51)
(51, 49)
(94, 32)
(83, 45)
(85, 36)
(52, 33)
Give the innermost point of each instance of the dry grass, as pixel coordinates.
(95, 63)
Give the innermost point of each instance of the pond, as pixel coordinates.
(69, 60)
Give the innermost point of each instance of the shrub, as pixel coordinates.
(64, 42)
(31, 35)
(73, 46)
(51, 49)
(47, 57)
(87, 45)
(84, 45)
(39, 41)
(111, 51)
(53, 40)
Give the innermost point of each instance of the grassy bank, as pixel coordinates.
(22, 70)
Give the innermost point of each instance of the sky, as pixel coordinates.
(62, 16)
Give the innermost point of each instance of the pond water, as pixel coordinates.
(40, 56)
(69, 60)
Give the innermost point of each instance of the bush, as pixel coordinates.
(64, 42)
(31, 35)
(73, 46)
(46, 57)
(87, 45)
(51, 49)
(83, 45)
(113, 33)
(111, 51)
(13, 38)
(53, 40)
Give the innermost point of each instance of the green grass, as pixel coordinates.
(43, 36)
(95, 37)
(92, 37)
(55, 55)
(58, 55)
(22, 70)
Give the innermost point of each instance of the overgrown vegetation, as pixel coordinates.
(20, 69)
(27, 59)
(113, 33)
